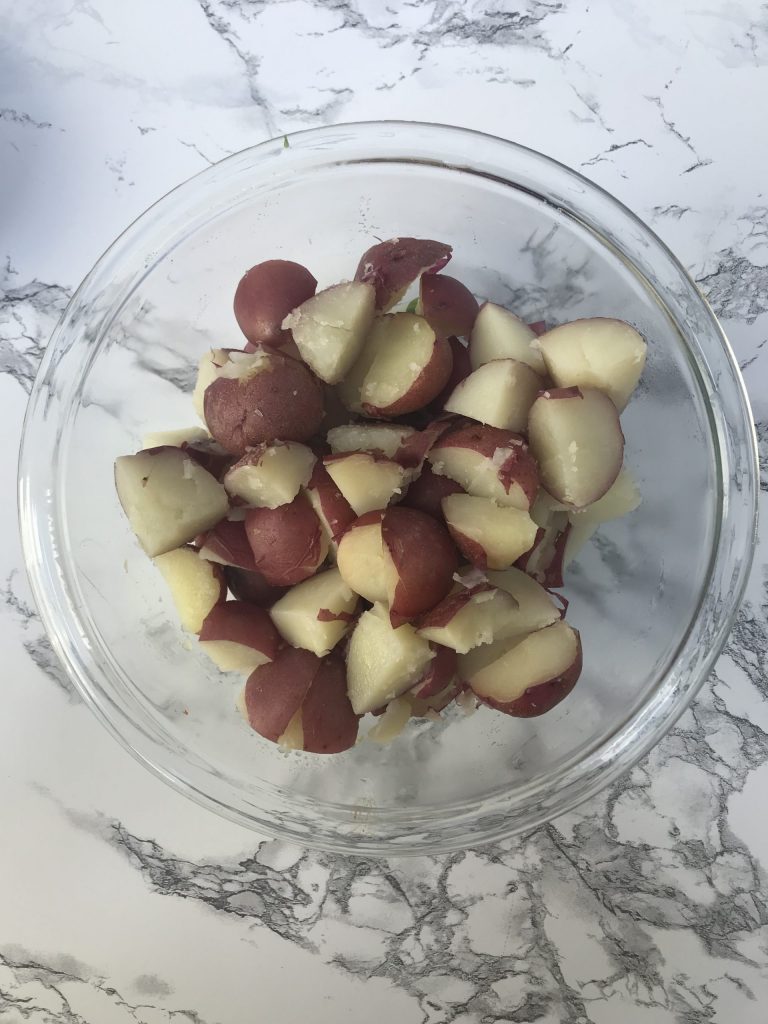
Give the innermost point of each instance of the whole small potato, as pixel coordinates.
(267, 397)
(266, 294)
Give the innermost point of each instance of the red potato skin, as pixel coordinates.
(210, 455)
(287, 542)
(550, 575)
(450, 607)
(441, 671)
(542, 698)
(413, 451)
(275, 691)
(424, 558)
(462, 367)
(471, 549)
(242, 623)
(427, 491)
(391, 266)
(429, 383)
(228, 541)
(336, 510)
(266, 294)
(252, 587)
(539, 327)
(329, 723)
(519, 467)
(448, 306)
(284, 402)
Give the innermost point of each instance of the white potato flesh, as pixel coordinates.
(293, 737)
(330, 328)
(392, 722)
(499, 393)
(168, 498)
(383, 662)
(503, 533)
(535, 608)
(597, 353)
(484, 618)
(386, 438)
(478, 475)
(349, 390)
(364, 563)
(499, 334)
(399, 361)
(230, 656)
(273, 478)
(621, 499)
(366, 482)
(504, 671)
(296, 613)
(195, 585)
(576, 439)
(176, 438)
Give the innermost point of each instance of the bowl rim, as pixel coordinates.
(604, 753)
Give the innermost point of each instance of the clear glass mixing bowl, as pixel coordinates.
(654, 596)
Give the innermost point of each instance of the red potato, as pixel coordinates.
(499, 334)
(448, 306)
(292, 738)
(196, 586)
(252, 587)
(392, 266)
(262, 397)
(597, 353)
(409, 370)
(526, 677)
(535, 607)
(399, 556)
(349, 390)
(415, 447)
(545, 561)
(330, 328)
(288, 543)
(499, 393)
(366, 481)
(317, 613)
(489, 463)
(489, 535)
(276, 691)
(576, 438)
(329, 725)
(208, 369)
(538, 327)
(227, 544)
(174, 438)
(167, 497)
(383, 661)
(377, 438)
(331, 507)
(270, 475)
(439, 674)
(266, 294)
(427, 491)
(208, 454)
(460, 369)
(239, 637)
(469, 617)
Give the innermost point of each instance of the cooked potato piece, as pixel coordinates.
(227, 544)
(577, 441)
(167, 497)
(438, 675)
(270, 475)
(330, 328)
(239, 637)
(595, 353)
(499, 334)
(366, 481)
(619, 500)
(392, 266)
(378, 438)
(427, 491)
(489, 535)
(409, 369)
(500, 393)
(208, 369)
(174, 438)
(266, 294)
(448, 306)
(329, 724)
(287, 542)
(362, 560)
(196, 586)
(535, 608)
(383, 662)
(525, 677)
(488, 463)
(276, 690)
(251, 586)
(331, 507)
(316, 614)
(262, 397)
(469, 617)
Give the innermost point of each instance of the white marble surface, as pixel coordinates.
(121, 902)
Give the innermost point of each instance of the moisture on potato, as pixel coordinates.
(266, 294)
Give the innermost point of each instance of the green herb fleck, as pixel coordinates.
(411, 307)
(286, 143)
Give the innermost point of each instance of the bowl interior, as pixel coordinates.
(127, 365)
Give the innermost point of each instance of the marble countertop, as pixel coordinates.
(122, 902)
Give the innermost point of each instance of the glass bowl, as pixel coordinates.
(654, 595)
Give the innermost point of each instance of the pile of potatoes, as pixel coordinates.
(381, 504)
